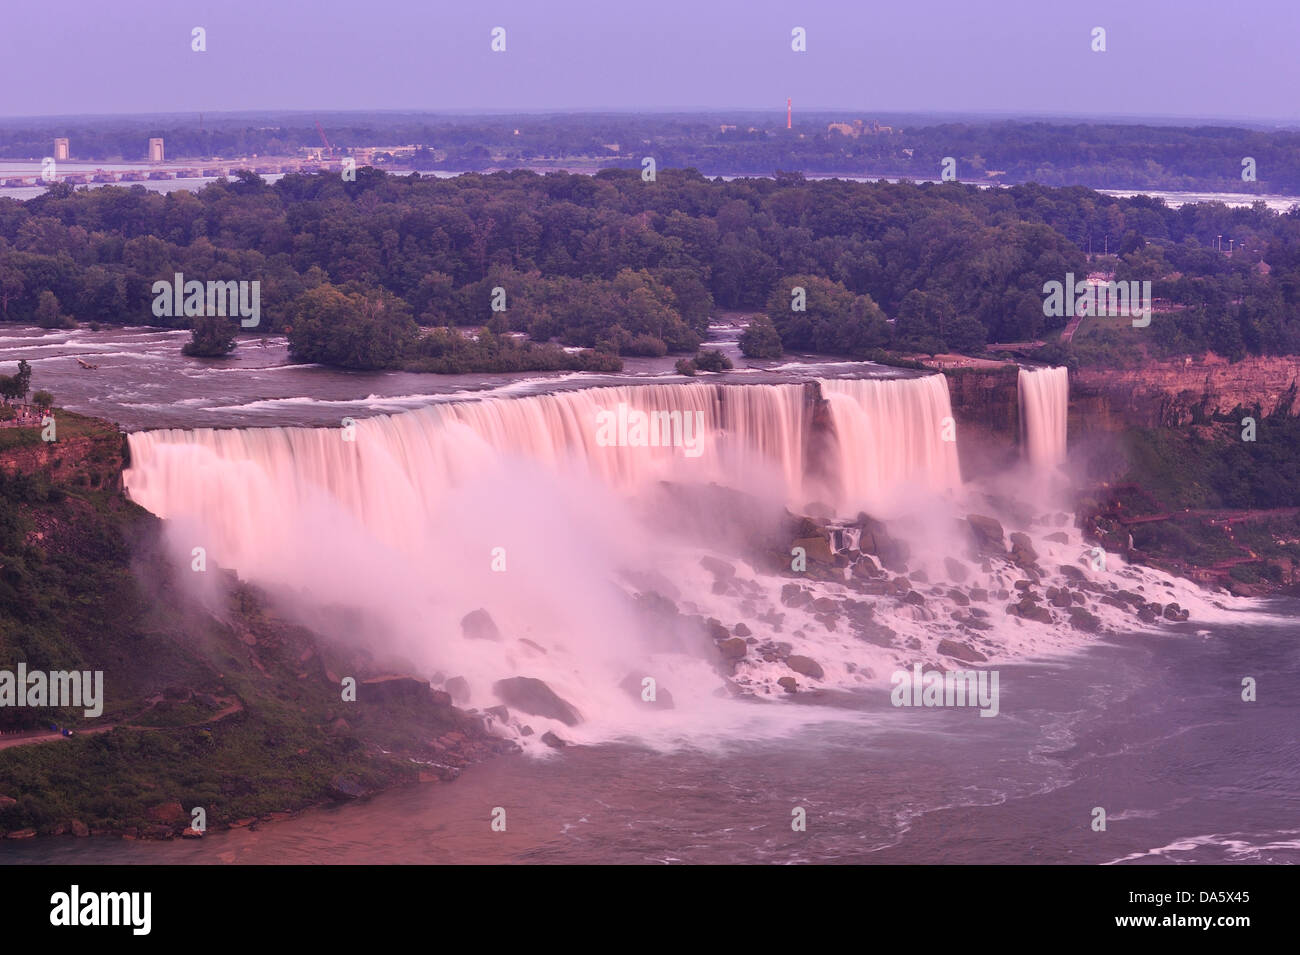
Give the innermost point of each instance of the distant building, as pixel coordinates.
(61, 148)
(859, 128)
(155, 150)
(727, 128)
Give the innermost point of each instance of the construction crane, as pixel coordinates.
(329, 150)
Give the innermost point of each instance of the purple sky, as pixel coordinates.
(1232, 59)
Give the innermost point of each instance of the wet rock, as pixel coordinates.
(1057, 537)
(553, 741)
(1175, 612)
(458, 687)
(534, 697)
(343, 788)
(717, 567)
(961, 651)
(914, 598)
(875, 633)
(1147, 615)
(1071, 572)
(959, 598)
(652, 602)
(1060, 599)
(734, 648)
(792, 595)
(979, 594)
(394, 689)
(987, 533)
(192, 834)
(1023, 584)
(1081, 619)
(957, 571)
(500, 713)
(741, 630)
(806, 666)
(867, 568)
(787, 683)
(818, 549)
(920, 576)
(479, 625)
(634, 686)
(1022, 549)
(825, 605)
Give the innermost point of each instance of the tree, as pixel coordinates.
(760, 339)
(211, 337)
(14, 387)
(48, 314)
(43, 400)
(355, 327)
(710, 359)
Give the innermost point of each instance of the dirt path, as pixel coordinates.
(7, 742)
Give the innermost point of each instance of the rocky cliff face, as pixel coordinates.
(89, 453)
(986, 406)
(1172, 393)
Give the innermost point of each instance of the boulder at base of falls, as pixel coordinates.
(957, 571)
(1081, 619)
(987, 533)
(787, 683)
(553, 741)
(818, 549)
(717, 567)
(1057, 537)
(394, 689)
(479, 625)
(534, 697)
(1022, 549)
(458, 688)
(341, 787)
(733, 648)
(634, 685)
(961, 651)
(806, 666)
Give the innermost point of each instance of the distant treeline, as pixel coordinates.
(358, 273)
(1097, 155)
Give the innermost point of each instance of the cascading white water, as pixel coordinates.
(405, 517)
(1044, 409)
(894, 437)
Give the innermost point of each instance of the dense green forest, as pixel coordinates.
(1100, 155)
(380, 272)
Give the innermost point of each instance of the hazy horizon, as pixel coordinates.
(1166, 61)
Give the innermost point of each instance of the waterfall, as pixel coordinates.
(389, 471)
(894, 437)
(1044, 407)
(539, 509)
